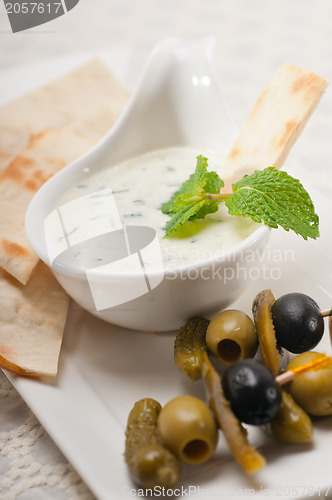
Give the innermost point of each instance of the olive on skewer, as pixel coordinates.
(231, 336)
(255, 394)
(312, 390)
(298, 322)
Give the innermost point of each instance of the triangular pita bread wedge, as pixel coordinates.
(12, 141)
(70, 98)
(67, 99)
(47, 153)
(274, 123)
(32, 320)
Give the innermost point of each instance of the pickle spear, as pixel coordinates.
(191, 357)
(261, 310)
(190, 346)
(291, 424)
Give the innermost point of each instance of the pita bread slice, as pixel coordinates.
(275, 122)
(12, 142)
(47, 153)
(67, 99)
(32, 320)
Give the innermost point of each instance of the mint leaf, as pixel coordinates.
(208, 208)
(189, 202)
(184, 215)
(184, 201)
(277, 199)
(201, 180)
(213, 183)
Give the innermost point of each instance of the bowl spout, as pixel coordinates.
(177, 102)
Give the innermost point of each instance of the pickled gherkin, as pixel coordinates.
(150, 464)
(261, 309)
(291, 424)
(189, 347)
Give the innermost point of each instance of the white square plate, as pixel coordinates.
(104, 369)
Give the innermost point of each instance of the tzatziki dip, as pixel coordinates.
(139, 187)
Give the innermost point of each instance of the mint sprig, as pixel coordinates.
(270, 196)
(191, 202)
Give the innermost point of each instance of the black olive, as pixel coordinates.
(253, 393)
(298, 322)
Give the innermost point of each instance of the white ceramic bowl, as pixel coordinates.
(177, 103)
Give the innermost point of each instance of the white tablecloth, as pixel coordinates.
(253, 38)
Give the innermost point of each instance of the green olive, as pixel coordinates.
(312, 390)
(187, 427)
(231, 336)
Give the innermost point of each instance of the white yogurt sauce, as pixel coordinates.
(140, 186)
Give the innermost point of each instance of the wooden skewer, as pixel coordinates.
(326, 312)
(318, 363)
(285, 377)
